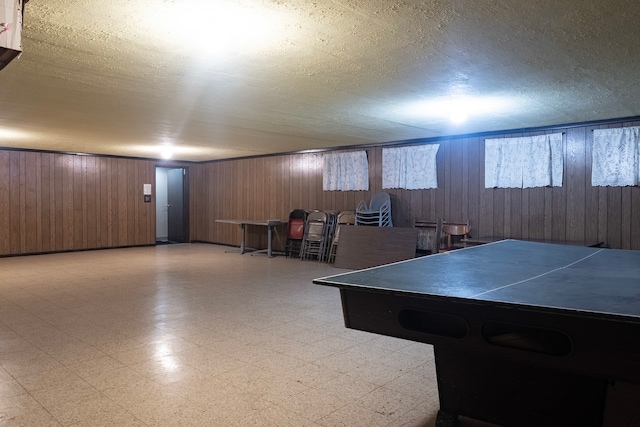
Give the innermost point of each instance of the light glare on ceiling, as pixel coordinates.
(460, 108)
(11, 134)
(173, 150)
(458, 117)
(214, 27)
(166, 152)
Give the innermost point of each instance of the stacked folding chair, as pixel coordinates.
(295, 232)
(343, 218)
(332, 226)
(315, 231)
(378, 212)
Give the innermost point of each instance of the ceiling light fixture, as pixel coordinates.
(176, 151)
(9, 134)
(214, 27)
(458, 109)
(166, 151)
(459, 117)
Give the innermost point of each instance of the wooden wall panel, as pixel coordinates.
(634, 241)
(46, 202)
(475, 186)
(133, 189)
(58, 202)
(31, 240)
(67, 203)
(613, 206)
(15, 203)
(121, 195)
(91, 209)
(591, 193)
(5, 201)
(536, 214)
(79, 192)
(633, 211)
(271, 187)
(575, 183)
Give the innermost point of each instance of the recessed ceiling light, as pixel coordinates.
(166, 151)
(458, 109)
(6, 133)
(459, 117)
(214, 27)
(177, 151)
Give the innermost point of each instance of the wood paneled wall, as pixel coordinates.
(271, 187)
(59, 202)
(53, 202)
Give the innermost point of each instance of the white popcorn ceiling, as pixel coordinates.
(104, 77)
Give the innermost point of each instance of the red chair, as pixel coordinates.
(295, 232)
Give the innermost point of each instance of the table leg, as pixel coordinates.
(269, 251)
(243, 247)
(244, 227)
(269, 231)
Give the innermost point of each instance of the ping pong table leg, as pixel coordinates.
(446, 419)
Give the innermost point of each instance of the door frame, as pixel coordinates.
(185, 198)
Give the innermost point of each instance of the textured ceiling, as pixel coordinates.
(215, 79)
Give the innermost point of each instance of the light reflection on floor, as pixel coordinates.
(188, 335)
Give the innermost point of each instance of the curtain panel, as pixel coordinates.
(615, 157)
(531, 161)
(410, 168)
(345, 171)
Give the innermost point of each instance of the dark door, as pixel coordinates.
(175, 204)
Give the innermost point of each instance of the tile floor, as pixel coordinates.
(188, 335)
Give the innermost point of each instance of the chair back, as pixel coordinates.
(456, 229)
(295, 228)
(378, 213)
(347, 217)
(298, 214)
(454, 232)
(317, 216)
(295, 232)
(379, 200)
(316, 226)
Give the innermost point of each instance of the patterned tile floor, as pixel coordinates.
(188, 335)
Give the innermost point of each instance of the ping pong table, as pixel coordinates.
(524, 333)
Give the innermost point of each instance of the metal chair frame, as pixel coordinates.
(377, 213)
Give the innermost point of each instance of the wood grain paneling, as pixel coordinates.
(5, 200)
(271, 187)
(634, 241)
(58, 202)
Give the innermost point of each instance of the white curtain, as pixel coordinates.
(532, 161)
(411, 168)
(615, 157)
(345, 171)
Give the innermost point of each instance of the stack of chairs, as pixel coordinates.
(295, 232)
(317, 235)
(343, 218)
(378, 212)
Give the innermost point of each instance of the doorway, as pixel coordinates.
(171, 226)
